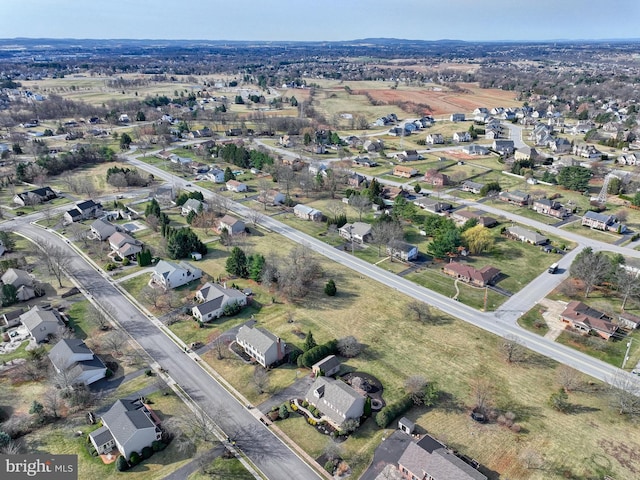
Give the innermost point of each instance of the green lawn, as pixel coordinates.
(223, 469)
(533, 321)
(606, 237)
(611, 351)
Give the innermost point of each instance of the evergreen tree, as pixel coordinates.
(256, 267)
(309, 342)
(237, 263)
(191, 217)
(330, 288)
(228, 174)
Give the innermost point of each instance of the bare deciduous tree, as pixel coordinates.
(568, 378)
(415, 386)
(114, 341)
(260, 379)
(254, 217)
(624, 395)
(360, 203)
(152, 295)
(627, 285)
(590, 267)
(481, 390)
(512, 349)
(96, 317)
(382, 233)
(199, 426)
(56, 258)
(52, 401)
(349, 347)
(419, 310)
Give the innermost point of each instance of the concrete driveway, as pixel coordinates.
(552, 317)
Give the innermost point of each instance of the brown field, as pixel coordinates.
(446, 102)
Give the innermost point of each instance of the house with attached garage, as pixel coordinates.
(435, 178)
(261, 345)
(173, 275)
(41, 323)
(462, 137)
(428, 459)
(236, 186)
(359, 232)
(76, 363)
(550, 208)
(457, 117)
(473, 187)
(435, 139)
(214, 299)
(504, 147)
(336, 400)
(102, 229)
(524, 235)
(487, 275)
(461, 216)
(586, 319)
(307, 213)
(408, 156)
(515, 197)
(83, 211)
(404, 172)
(129, 426)
(402, 250)
(125, 246)
(432, 205)
(475, 149)
(600, 221)
(34, 197)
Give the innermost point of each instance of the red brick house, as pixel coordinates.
(468, 274)
(586, 319)
(435, 178)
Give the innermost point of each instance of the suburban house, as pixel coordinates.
(480, 278)
(461, 216)
(373, 145)
(473, 187)
(550, 208)
(457, 117)
(586, 151)
(232, 225)
(356, 180)
(600, 221)
(327, 367)
(408, 156)
(462, 137)
(435, 178)
(261, 345)
(75, 361)
(41, 323)
(516, 197)
(216, 175)
(11, 319)
(22, 281)
(272, 197)
(125, 246)
(432, 205)
(236, 186)
(336, 400)
(504, 147)
(318, 168)
(359, 232)
(83, 211)
(404, 172)
(307, 213)
(193, 205)
(213, 299)
(402, 250)
(173, 275)
(363, 162)
(435, 139)
(628, 320)
(475, 149)
(102, 229)
(428, 459)
(586, 319)
(129, 426)
(525, 235)
(34, 197)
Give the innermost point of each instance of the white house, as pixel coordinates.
(232, 225)
(171, 275)
(72, 358)
(307, 213)
(41, 323)
(236, 186)
(336, 400)
(213, 300)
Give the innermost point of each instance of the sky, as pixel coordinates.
(321, 20)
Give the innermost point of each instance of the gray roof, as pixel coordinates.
(439, 464)
(192, 204)
(231, 221)
(600, 217)
(335, 393)
(16, 277)
(125, 418)
(105, 229)
(359, 229)
(528, 235)
(36, 316)
(61, 354)
(327, 363)
(101, 436)
(259, 338)
(215, 296)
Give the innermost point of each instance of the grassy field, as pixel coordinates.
(223, 468)
(534, 321)
(449, 352)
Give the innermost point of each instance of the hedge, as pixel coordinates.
(393, 410)
(315, 354)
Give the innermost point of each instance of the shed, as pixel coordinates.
(406, 425)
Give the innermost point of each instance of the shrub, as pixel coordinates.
(126, 261)
(330, 288)
(158, 446)
(284, 411)
(273, 416)
(134, 458)
(330, 466)
(311, 421)
(315, 354)
(393, 410)
(294, 407)
(305, 404)
(148, 372)
(147, 452)
(121, 464)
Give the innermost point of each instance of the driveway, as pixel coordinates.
(387, 453)
(552, 317)
(296, 390)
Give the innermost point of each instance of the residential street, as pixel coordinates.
(501, 322)
(264, 449)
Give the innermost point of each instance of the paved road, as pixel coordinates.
(502, 322)
(264, 449)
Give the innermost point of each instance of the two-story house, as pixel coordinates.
(262, 345)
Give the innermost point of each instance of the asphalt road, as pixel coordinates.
(264, 449)
(501, 322)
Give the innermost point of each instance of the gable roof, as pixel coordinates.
(335, 396)
(259, 338)
(120, 238)
(125, 418)
(359, 229)
(215, 296)
(579, 312)
(439, 463)
(327, 364)
(230, 220)
(192, 204)
(16, 277)
(103, 228)
(484, 275)
(528, 235)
